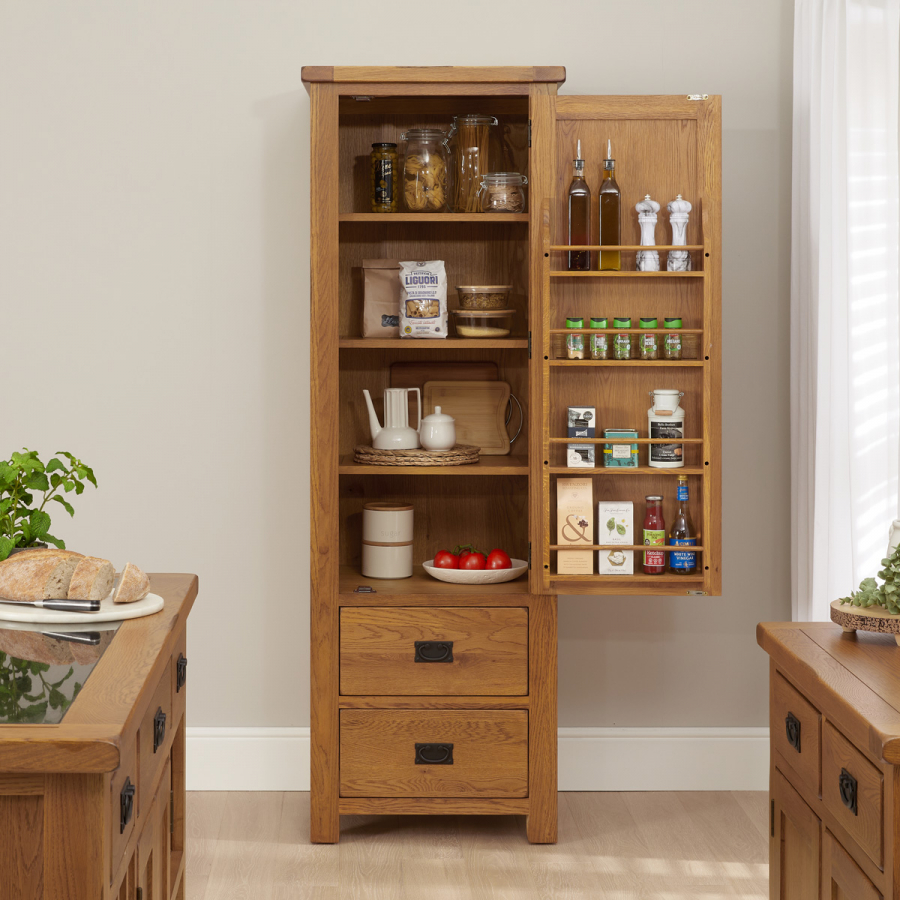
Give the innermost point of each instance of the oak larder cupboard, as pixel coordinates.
(478, 735)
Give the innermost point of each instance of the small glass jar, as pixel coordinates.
(672, 340)
(599, 342)
(649, 343)
(503, 192)
(622, 342)
(425, 170)
(575, 342)
(385, 177)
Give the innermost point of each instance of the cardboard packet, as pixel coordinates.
(615, 525)
(381, 298)
(574, 525)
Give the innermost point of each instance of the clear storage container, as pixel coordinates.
(483, 323)
(425, 174)
(503, 192)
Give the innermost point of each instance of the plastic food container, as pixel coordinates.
(483, 323)
(483, 296)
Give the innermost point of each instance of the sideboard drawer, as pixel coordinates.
(795, 728)
(434, 753)
(123, 801)
(156, 732)
(852, 790)
(434, 651)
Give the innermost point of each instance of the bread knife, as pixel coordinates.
(75, 637)
(85, 606)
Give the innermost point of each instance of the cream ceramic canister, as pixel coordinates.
(438, 431)
(387, 540)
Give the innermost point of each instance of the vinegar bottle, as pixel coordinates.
(579, 215)
(610, 214)
(683, 562)
(654, 534)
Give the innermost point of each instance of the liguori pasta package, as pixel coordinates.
(423, 299)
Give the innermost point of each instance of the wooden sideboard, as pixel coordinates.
(835, 763)
(92, 808)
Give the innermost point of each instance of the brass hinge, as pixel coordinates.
(529, 345)
(361, 98)
(698, 96)
(696, 593)
(140, 894)
(772, 818)
(529, 132)
(171, 812)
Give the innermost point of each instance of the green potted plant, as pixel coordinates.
(27, 486)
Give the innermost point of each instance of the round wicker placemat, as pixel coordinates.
(460, 455)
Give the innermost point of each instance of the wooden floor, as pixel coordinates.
(664, 846)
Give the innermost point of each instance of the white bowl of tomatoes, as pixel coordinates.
(466, 565)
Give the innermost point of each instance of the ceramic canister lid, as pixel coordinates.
(386, 506)
(438, 417)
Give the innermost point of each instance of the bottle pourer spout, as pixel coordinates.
(578, 151)
(609, 148)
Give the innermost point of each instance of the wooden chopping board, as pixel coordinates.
(415, 374)
(479, 408)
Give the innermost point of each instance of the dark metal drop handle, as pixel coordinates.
(847, 787)
(792, 727)
(126, 804)
(180, 673)
(434, 651)
(159, 729)
(434, 754)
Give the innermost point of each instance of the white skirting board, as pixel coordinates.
(590, 759)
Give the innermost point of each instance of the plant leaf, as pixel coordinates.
(40, 524)
(65, 503)
(55, 465)
(7, 545)
(37, 481)
(57, 542)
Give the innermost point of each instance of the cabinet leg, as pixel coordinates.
(541, 826)
(324, 821)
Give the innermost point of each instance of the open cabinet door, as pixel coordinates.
(663, 146)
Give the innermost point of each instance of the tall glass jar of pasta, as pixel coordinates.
(474, 146)
(425, 176)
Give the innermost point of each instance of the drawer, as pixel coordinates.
(179, 679)
(156, 733)
(123, 802)
(435, 651)
(434, 753)
(796, 728)
(852, 790)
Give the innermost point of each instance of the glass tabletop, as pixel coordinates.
(42, 669)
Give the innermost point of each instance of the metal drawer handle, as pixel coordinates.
(159, 729)
(847, 786)
(792, 727)
(180, 673)
(434, 754)
(434, 651)
(126, 804)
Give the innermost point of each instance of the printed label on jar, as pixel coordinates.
(599, 346)
(654, 557)
(673, 344)
(621, 451)
(669, 453)
(682, 559)
(648, 341)
(622, 345)
(384, 181)
(682, 492)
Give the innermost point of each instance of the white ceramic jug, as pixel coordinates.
(396, 433)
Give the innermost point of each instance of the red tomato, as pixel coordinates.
(472, 561)
(444, 559)
(498, 559)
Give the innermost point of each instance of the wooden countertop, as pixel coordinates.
(858, 675)
(87, 740)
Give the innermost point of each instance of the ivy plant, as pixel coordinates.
(25, 694)
(27, 486)
(871, 593)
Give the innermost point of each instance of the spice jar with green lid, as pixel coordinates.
(575, 342)
(672, 341)
(649, 346)
(622, 342)
(384, 171)
(599, 342)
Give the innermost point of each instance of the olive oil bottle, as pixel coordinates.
(610, 214)
(579, 216)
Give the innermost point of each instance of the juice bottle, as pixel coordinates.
(654, 534)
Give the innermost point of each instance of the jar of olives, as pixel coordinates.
(385, 177)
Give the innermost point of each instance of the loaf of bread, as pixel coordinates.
(92, 579)
(133, 585)
(44, 577)
(46, 553)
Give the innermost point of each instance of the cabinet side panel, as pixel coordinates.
(21, 845)
(325, 823)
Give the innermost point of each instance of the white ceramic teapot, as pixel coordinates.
(396, 433)
(438, 431)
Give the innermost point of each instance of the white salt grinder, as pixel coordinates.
(387, 540)
(679, 214)
(647, 260)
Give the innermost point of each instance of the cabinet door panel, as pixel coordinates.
(844, 880)
(795, 845)
(154, 848)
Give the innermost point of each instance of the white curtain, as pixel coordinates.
(845, 330)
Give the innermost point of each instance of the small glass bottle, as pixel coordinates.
(385, 177)
(672, 341)
(599, 342)
(575, 342)
(654, 534)
(683, 562)
(649, 344)
(579, 216)
(610, 215)
(622, 342)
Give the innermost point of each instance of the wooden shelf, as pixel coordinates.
(664, 548)
(628, 440)
(633, 585)
(450, 343)
(486, 465)
(670, 363)
(628, 579)
(387, 218)
(422, 585)
(625, 247)
(627, 274)
(626, 331)
(624, 470)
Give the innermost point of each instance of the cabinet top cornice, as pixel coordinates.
(434, 74)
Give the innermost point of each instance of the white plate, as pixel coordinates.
(476, 576)
(109, 612)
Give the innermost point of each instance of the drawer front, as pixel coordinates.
(179, 679)
(852, 790)
(123, 802)
(796, 731)
(434, 753)
(442, 651)
(156, 732)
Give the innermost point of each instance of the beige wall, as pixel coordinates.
(154, 285)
